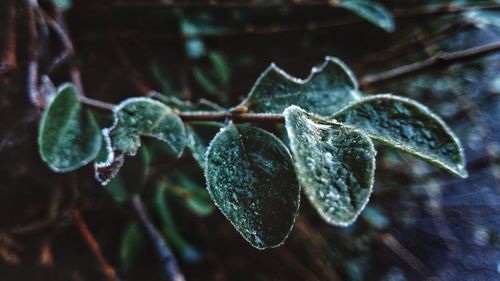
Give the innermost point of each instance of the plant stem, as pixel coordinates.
(33, 67)
(167, 259)
(438, 60)
(201, 115)
(9, 59)
(94, 246)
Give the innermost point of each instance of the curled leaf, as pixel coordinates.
(409, 126)
(372, 11)
(133, 118)
(335, 165)
(68, 136)
(330, 87)
(251, 179)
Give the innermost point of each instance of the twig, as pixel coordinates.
(9, 58)
(438, 60)
(33, 67)
(170, 266)
(63, 36)
(109, 271)
(201, 115)
(235, 117)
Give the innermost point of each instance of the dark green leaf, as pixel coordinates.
(372, 11)
(335, 165)
(131, 245)
(251, 179)
(136, 117)
(409, 126)
(69, 137)
(329, 88)
(199, 136)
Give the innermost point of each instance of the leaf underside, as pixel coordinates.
(334, 163)
(69, 136)
(374, 12)
(251, 179)
(136, 117)
(199, 135)
(329, 88)
(408, 126)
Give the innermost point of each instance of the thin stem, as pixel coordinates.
(435, 61)
(109, 271)
(200, 115)
(170, 266)
(33, 67)
(235, 117)
(9, 59)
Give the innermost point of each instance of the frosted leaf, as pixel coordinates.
(250, 177)
(199, 135)
(372, 11)
(335, 165)
(409, 126)
(329, 88)
(68, 136)
(133, 118)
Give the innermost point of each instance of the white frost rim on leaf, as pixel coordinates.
(460, 170)
(296, 212)
(111, 156)
(60, 90)
(298, 167)
(314, 70)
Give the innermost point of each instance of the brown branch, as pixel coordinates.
(167, 259)
(235, 117)
(200, 115)
(9, 58)
(440, 60)
(34, 54)
(109, 271)
(59, 29)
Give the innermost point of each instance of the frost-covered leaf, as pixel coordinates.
(181, 105)
(133, 118)
(372, 11)
(329, 88)
(199, 136)
(335, 165)
(69, 136)
(250, 177)
(409, 126)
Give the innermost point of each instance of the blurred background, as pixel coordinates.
(421, 224)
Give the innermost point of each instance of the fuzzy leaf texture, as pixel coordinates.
(329, 88)
(335, 165)
(250, 177)
(133, 118)
(409, 126)
(69, 136)
(372, 11)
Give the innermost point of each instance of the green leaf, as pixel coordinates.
(372, 11)
(409, 126)
(199, 136)
(133, 118)
(69, 136)
(131, 245)
(329, 88)
(131, 178)
(335, 165)
(181, 105)
(251, 179)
